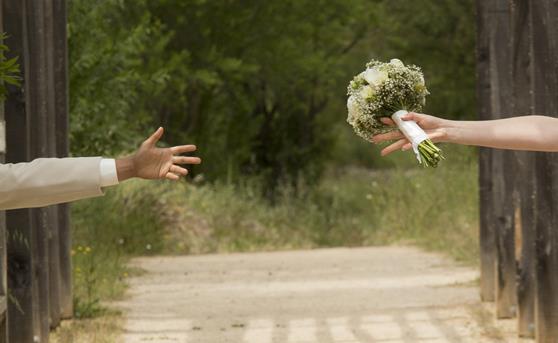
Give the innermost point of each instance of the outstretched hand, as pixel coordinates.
(150, 162)
(434, 127)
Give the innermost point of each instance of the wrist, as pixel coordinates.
(125, 168)
(451, 128)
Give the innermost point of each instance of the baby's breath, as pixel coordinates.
(403, 89)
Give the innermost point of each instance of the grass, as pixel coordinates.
(106, 233)
(105, 329)
(435, 209)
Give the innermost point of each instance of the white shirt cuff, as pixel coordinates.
(109, 177)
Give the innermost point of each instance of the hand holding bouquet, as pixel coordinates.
(390, 90)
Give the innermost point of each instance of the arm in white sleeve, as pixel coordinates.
(109, 176)
(49, 181)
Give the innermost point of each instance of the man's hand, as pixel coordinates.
(150, 162)
(435, 128)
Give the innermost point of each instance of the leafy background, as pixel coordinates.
(259, 85)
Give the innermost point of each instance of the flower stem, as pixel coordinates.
(430, 154)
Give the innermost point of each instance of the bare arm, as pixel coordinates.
(533, 133)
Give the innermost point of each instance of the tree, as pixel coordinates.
(259, 86)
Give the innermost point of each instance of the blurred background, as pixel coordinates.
(260, 88)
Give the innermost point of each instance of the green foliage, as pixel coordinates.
(435, 209)
(106, 233)
(250, 83)
(263, 74)
(9, 69)
(438, 36)
(115, 65)
(259, 86)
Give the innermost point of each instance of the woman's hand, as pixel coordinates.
(435, 128)
(151, 162)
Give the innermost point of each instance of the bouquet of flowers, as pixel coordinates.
(390, 90)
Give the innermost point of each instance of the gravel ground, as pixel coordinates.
(381, 294)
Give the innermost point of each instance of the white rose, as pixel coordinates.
(354, 109)
(375, 77)
(397, 62)
(367, 92)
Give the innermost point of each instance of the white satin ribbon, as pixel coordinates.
(411, 130)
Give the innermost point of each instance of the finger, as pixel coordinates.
(186, 160)
(411, 116)
(181, 149)
(389, 136)
(155, 137)
(394, 147)
(179, 170)
(406, 147)
(387, 121)
(171, 176)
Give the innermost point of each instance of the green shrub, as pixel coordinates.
(434, 208)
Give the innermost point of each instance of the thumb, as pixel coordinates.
(155, 137)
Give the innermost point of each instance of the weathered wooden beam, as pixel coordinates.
(545, 85)
(546, 308)
(4, 275)
(522, 104)
(61, 87)
(487, 235)
(53, 233)
(37, 110)
(3, 266)
(23, 310)
(499, 16)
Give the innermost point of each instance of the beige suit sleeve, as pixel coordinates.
(49, 181)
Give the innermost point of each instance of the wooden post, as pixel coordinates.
(502, 161)
(37, 103)
(546, 300)
(545, 55)
(522, 104)
(23, 311)
(62, 149)
(487, 235)
(53, 233)
(32, 121)
(3, 266)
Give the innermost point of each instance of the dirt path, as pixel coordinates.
(387, 294)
